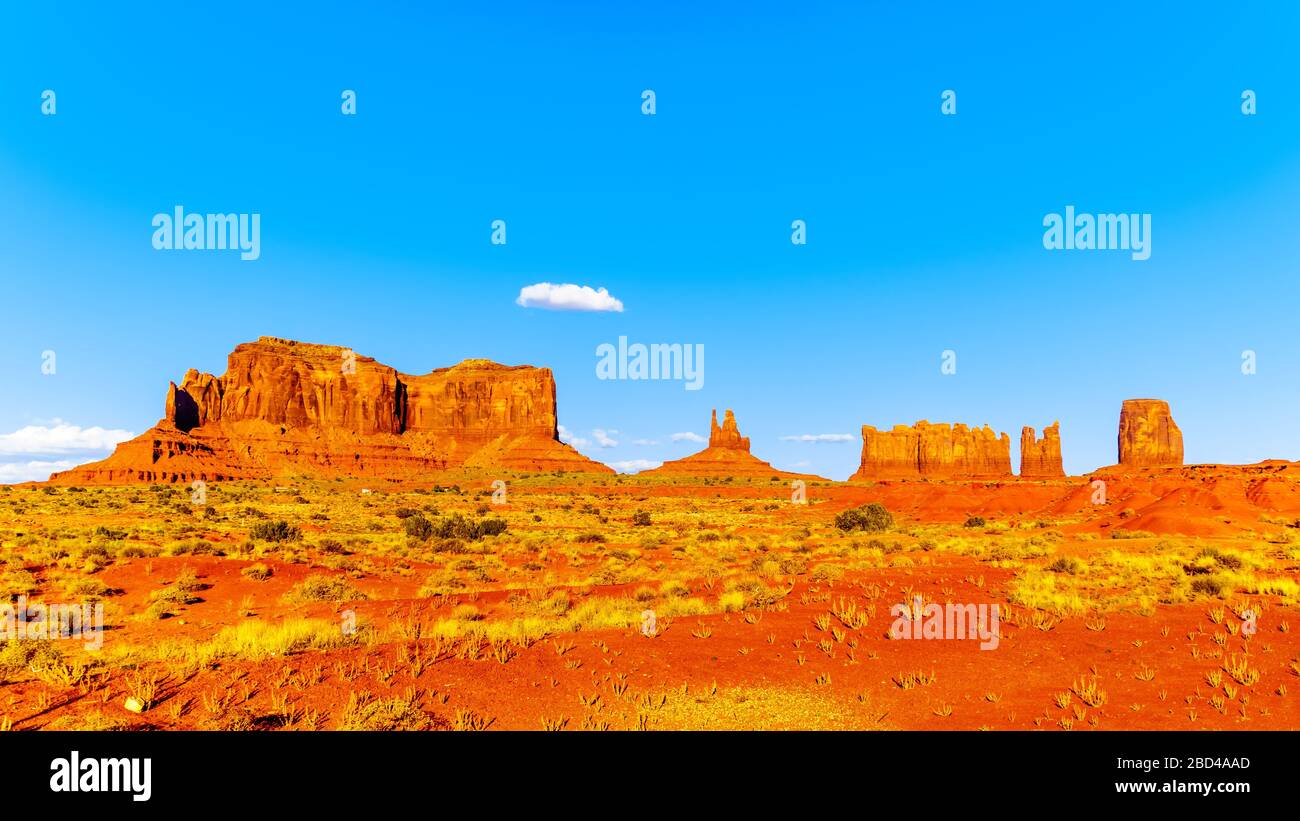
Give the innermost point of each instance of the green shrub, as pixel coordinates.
(417, 527)
(277, 531)
(872, 518)
(323, 588)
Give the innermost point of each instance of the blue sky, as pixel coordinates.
(924, 230)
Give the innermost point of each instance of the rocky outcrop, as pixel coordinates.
(940, 451)
(1041, 458)
(727, 455)
(1147, 434)
(727, 436)
(287, 407)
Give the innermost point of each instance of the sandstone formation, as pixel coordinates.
(285, 407)
(727, 455)
(1041, 458)
(940, 451)
(727, 436)
(1148, 435)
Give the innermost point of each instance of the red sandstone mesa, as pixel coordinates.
(1148, 435)
(294, 407)
(727, 455)
(1041, 458)
(937, 451)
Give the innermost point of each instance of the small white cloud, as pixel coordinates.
(59, 437)
(645, 443)
(603, 438)
(819, 437)
(567, 437)
(567, 297)
(687, 437)
(802, 463)
(634, 465)
(13, 472)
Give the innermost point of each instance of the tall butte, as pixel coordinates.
(940, 451)
(1147, 434)
(286, 407)
(1041, 458)
(727, 455)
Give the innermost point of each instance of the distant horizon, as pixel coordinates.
(693, 440)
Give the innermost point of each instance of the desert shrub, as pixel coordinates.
(440, 584)
(323, 588)
(257, 572)
(641, 519)
(22, 654)
(826, 572)
(256, 639)
(457, 526)
(674, 588)
(17, 583)
(1066, 564)
(1231, 561)
(417, 527)
(872, 518)
(331, 546)
(467, 612)
(277, 531)
(88, 589)
(792, 566)
(1214, 585)
(975, 521)
(187, 580)
(590, 538)
(731, 601)
(365, 712)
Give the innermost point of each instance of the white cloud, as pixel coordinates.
(645, 442)
(59, 437)
(603, 438)
(12, 472)
(687, 437)
(567, 297)
(819, 437)
(634, 465)
(567, 437)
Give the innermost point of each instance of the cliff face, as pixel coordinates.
(937, 451)
(727, 455)
(1148, 435)
(1041, 458)
(285, 406)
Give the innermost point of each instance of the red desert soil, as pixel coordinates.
(779, 618)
